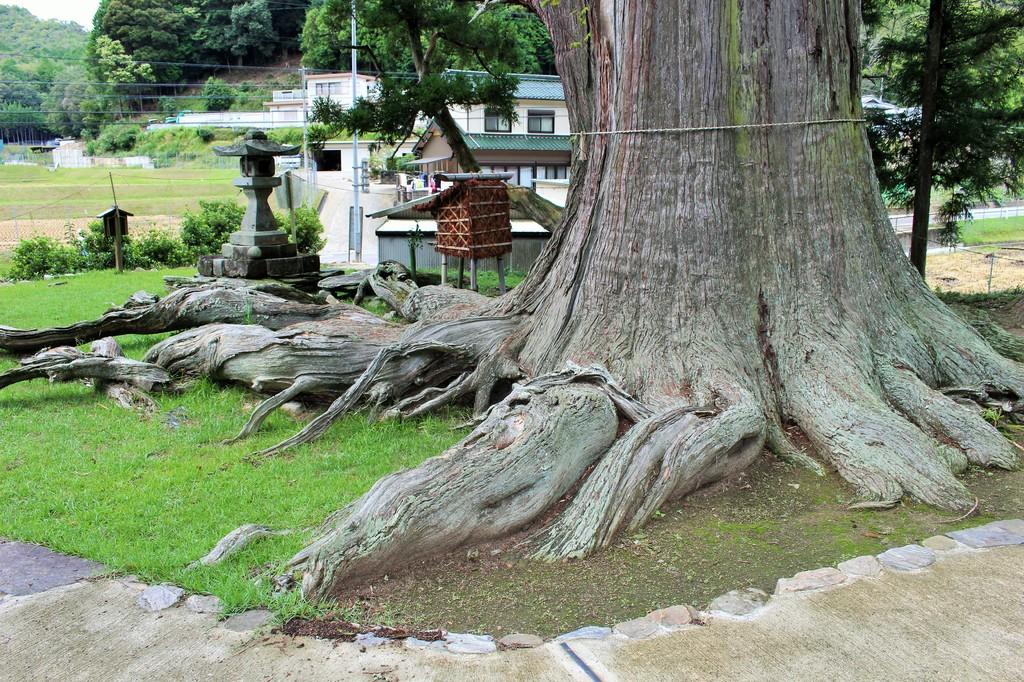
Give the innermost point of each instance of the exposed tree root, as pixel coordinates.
(234, 542)
(664, 456)
(181, 309)
(881, 453)
(303, 384)
(526, 454)
(945, 420)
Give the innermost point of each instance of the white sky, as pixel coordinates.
(79, 11)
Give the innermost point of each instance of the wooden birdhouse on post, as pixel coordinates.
(473, 221)
(115, 226)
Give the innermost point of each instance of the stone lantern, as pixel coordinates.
(259, 249)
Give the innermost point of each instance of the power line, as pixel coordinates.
(54, 203)
(163, 63)
(141, 84)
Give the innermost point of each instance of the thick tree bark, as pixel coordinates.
(930, 82)
(738, 277)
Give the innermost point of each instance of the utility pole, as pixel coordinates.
(355, 230)
(305, 124)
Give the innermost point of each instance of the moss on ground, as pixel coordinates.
(770, 522)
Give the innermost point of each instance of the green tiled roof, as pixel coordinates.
(522, 143)
(539, 87)
(531, 85)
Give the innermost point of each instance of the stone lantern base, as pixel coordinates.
(258, 268)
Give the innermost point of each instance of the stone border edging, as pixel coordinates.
(739, 604)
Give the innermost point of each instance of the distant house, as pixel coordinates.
(334, 86)
(535, 146)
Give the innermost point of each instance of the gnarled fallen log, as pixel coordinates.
(266, 286)
(181, 309)
(123, 394)
(66, 364)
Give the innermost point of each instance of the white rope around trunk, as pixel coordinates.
(699, 129)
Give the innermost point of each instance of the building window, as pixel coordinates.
(556, 172)
(329, 89)
(494, 122)
(540, 121)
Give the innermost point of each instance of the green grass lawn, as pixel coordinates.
(82, 476)
(37, 192)
(992, 230)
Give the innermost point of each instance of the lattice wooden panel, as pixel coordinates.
(473, 220)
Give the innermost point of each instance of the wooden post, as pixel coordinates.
(472, 275)
(289, 204)
(118, 254)
(444, 270)
(501, 274)
(462, 271)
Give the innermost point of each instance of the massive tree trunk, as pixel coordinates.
(729, 262)
(724, 275)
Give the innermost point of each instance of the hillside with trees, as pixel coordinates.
(36, 58)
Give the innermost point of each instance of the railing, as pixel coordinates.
(903, 223)
(288, 95)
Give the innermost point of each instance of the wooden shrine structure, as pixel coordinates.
(473, 222)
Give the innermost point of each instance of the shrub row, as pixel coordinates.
(201, 233)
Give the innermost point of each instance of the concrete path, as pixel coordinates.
(27, 569)
(960, 619)
(334, 215)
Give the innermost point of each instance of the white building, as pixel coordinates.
(534, 146)
(334, 86)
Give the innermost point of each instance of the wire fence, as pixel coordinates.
(976, 269)
(904, 223)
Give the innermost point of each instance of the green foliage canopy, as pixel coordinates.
(979, 124)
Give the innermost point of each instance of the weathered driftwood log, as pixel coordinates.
(346, 284)
(390, 281)
(266, 286)
(181, 309)
(314, 359)
(434, 303)
(66, 364)
(432, 365)
(123, 394)
(289, 287)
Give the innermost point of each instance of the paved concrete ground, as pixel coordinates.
(961, 619)
(27, 569)
(334, 215)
